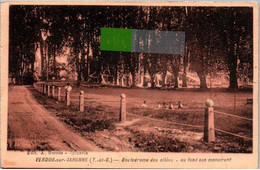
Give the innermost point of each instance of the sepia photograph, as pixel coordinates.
(131, 79)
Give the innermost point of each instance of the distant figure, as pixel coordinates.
(180, 106)
(171, 106)
(159, 105)
(164, 105)
(144, 104)
(68, 87)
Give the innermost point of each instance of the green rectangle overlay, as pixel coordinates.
(142, 41)
(116, 39)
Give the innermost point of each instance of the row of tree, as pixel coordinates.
(217, 39)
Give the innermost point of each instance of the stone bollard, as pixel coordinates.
(53, 91)
(81, 101)
(209, 127)
(67, 97)
(58, 95)
(122, 114)
(43, 88)
(48, 90)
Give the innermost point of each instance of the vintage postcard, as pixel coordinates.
(129, 84)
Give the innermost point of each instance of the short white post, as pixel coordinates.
(122, 114)
(48, 90)
(81, 101)
(53, 91)
(45, 89)
(67, 97)
(209, 127)
(58, 95)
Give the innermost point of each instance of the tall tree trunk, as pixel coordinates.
(22, 72)
(47, 61)
(42, 60)
(83, 64)
(99, 72)
(86, 68)
(54, 62)
(184, 79)
(164, 77)
(176, 81)
(152, 81)
(115, 75)
(133, 79)
(233, 75)
(133, 68)
(98, 63)
(176, 69)
(152, 74)
(203, 81)
(144, 78)
(78, 67)
(185, 63)
(232, 66)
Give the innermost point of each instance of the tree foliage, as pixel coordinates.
(217, 39)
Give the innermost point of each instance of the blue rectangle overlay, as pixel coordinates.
(160, 42)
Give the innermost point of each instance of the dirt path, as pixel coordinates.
(32, 127)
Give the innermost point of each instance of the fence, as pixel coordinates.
(230, 133)
(209, 122)
(50, 90)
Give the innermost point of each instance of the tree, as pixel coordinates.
(24, 36)
(235, 28)
(210, 46)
